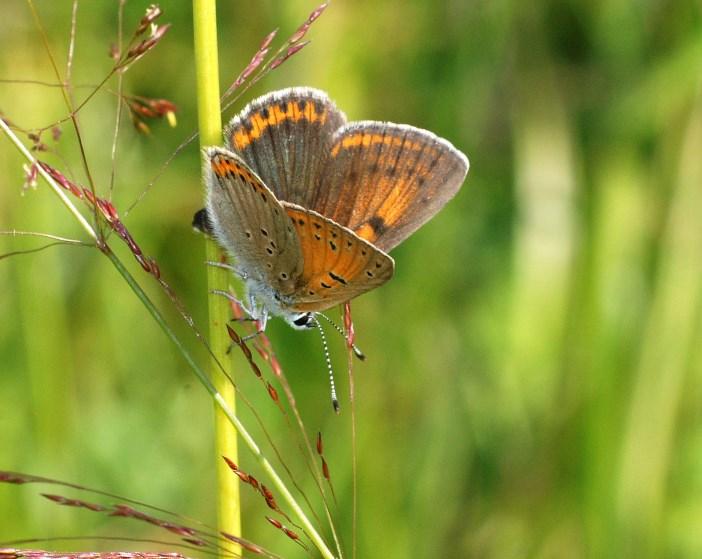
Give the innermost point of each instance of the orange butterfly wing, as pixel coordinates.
(338, 265)
(284, 136)
(250, 223)
(384, 181)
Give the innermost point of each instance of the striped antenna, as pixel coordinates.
(356, 351)
(335, 401)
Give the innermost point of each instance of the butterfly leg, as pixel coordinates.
(250, 312)
(261, 326)
(243, 275)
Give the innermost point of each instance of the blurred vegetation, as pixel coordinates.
(534, 380)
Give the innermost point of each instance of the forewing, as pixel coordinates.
(250, 223)
(284, 137)
(338, 264)
(384, 181)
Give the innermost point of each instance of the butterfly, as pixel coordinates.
(309, 204)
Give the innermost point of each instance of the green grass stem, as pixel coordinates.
(207, 72)
(210, 128)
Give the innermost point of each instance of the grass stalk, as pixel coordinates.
(226, 422)
(210, 128)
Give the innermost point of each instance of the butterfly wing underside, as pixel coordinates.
(284, 137)
(250, 222)
(384, 181)
(338, 264)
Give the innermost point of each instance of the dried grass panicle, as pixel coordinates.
(188, 535)
(287, 531)
(302, 30)
(260, 488)
(348, 326)
(17, 478)
(13, 553)
(37, 144)
(320, 452)
(273, 392)
(144, 107)
(129, 512)
(78, 503)
(109, 212)
(233, 336)
(289, 48)
(247, 545)
(255, 62)
(266, 354)
(135, 53)
(265, 350)
(31, 173)
(320, 444)
(153, 12)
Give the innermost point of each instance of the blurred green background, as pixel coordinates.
(533, 385)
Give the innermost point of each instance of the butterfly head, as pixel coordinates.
(278, 304)
(301, 320)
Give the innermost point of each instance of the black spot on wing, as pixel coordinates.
(378, 224)
(341, 280)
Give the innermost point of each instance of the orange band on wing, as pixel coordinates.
(222, 166)
(366, 140)
(273, 115)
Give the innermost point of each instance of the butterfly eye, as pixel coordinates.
(304, 321)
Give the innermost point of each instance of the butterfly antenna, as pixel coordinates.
(357, 352)
(335, 401)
